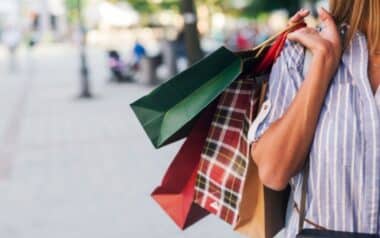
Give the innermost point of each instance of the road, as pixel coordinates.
(72, 168)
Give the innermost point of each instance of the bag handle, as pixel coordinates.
(302, 214)
(292, 27)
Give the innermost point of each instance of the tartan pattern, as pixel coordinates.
(225, 157)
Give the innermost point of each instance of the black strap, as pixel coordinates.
(303, 196)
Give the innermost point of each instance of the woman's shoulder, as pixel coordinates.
(292, 55)
(289, 62)
(288, 68)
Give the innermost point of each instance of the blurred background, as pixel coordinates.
(74, 162)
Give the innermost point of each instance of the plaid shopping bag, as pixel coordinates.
(224, 161)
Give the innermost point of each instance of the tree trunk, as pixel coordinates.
(192, 44)
(311, 4)
(294, 6)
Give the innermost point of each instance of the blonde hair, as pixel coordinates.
(362, 15)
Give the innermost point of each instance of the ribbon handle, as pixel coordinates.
(292, 27)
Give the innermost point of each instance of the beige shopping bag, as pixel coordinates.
(262, 211)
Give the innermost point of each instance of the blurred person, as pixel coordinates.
(179, 45)
(11, 38)
(262, 34)
(327, 119)
(229, 41)
(139, 52)
(119, 70)
(115, 65)
(242, 42)
(33, 39)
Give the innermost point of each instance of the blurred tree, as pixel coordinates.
(187, 9)
(250, 8)
(255, 7)
(72, 10)
(192, 44)
(312, 4)
(151, 6)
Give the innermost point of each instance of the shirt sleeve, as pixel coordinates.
(283, 83)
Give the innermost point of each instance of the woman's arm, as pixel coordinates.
(282, 149)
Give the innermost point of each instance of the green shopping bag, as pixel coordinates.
(167, 113)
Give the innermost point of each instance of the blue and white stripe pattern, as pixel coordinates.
(344, 185)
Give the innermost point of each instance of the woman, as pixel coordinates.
(330, 117)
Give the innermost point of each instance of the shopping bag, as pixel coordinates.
(167, 114)
(262, 211)
(224, 162)
(226, 171)
(176, 192)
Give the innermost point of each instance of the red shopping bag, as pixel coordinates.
(176, 192)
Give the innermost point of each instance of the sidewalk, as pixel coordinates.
(73, 168)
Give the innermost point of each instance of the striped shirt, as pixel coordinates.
(344, 183)
(377, 96)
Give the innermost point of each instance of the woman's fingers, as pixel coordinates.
(299, 16)
(305, 36)
(325, 17)
(328, 22)
(326, 43)
(330, 30)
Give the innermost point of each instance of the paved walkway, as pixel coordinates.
(73, 168)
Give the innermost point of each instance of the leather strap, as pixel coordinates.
(308, 221)
(302, 212)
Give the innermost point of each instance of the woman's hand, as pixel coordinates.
(299, 17)
(325, 44)
(281, 151)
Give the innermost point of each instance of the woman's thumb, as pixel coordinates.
(296, 36)
(293, 36)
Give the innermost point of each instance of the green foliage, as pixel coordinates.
(148, 7)
(253, 8)
(71, 4)
(257, 7)
(72, 7)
